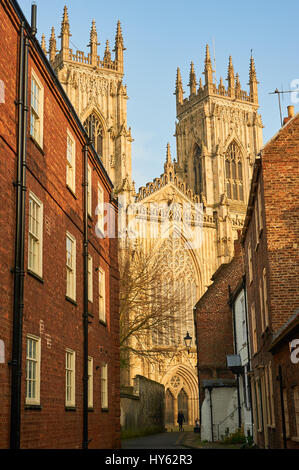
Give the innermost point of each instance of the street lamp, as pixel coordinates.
(188, 341)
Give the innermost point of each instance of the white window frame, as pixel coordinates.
(250, 263)
(265, 296)
(286, 411)
(90, 382)
(71, 165)
(90, 279)
(89, 192)
(253, 327)
(102, 296)
(296, 408)
(104, 386)
(70, 378)
(35, 237)
(262, 304)
(37, 111)
(71, 269)
(100, 209)
(271, 394)
(260, 214)
(256, 217)
(33, 400)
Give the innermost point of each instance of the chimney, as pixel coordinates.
(291, 114)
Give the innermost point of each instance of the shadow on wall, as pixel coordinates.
(142, 408)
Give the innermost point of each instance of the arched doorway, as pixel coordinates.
(183, 404)
(169, 414)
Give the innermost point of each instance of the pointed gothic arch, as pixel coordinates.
(178, 378)
(234, 172)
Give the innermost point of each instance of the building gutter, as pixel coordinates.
(85, 301)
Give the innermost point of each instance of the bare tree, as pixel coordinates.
(150, 305)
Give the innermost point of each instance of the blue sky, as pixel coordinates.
(162, 35)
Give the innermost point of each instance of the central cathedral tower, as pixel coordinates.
(218, 134)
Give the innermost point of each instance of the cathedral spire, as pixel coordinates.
(43, 44)
(179, 87)
(65, 34)
(168, 164)
(93, 44)
(192, 80)
(208, 68)
(52, 45)
(119, 48)
(231, 78)
(107, 55)
(253, 83)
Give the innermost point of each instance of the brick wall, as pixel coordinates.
(47, 312)
(214, 320)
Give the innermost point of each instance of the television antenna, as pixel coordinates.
(278, 93)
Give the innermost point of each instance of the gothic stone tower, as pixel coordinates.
(95, 87)
(218, 133)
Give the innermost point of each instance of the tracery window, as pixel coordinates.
(179, 283)
(94, 128)
(234, 173)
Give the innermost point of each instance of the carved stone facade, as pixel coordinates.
(219, 133)
(95, 87)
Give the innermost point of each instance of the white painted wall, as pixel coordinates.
(225, 413)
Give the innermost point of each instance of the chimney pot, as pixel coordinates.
(291, 112)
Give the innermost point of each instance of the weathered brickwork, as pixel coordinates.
(47, 313)
(213, 316)
(271, 241)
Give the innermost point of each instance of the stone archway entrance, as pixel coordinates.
(181, 388)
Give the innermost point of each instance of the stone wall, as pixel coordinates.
(142, 407)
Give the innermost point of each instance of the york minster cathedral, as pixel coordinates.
(218, 133)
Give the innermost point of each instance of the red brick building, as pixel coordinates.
(214, 337)
(271, 244)
(59, 333)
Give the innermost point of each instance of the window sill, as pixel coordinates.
(105, 410)
(37, 145)
(72, 301)
(70, 408)
(102, 322)
(36, 276)
(295, 438)
(32, 407)
(71, 191)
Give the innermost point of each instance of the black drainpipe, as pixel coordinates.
(18, 301)
(85, 313)
(211, 411)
